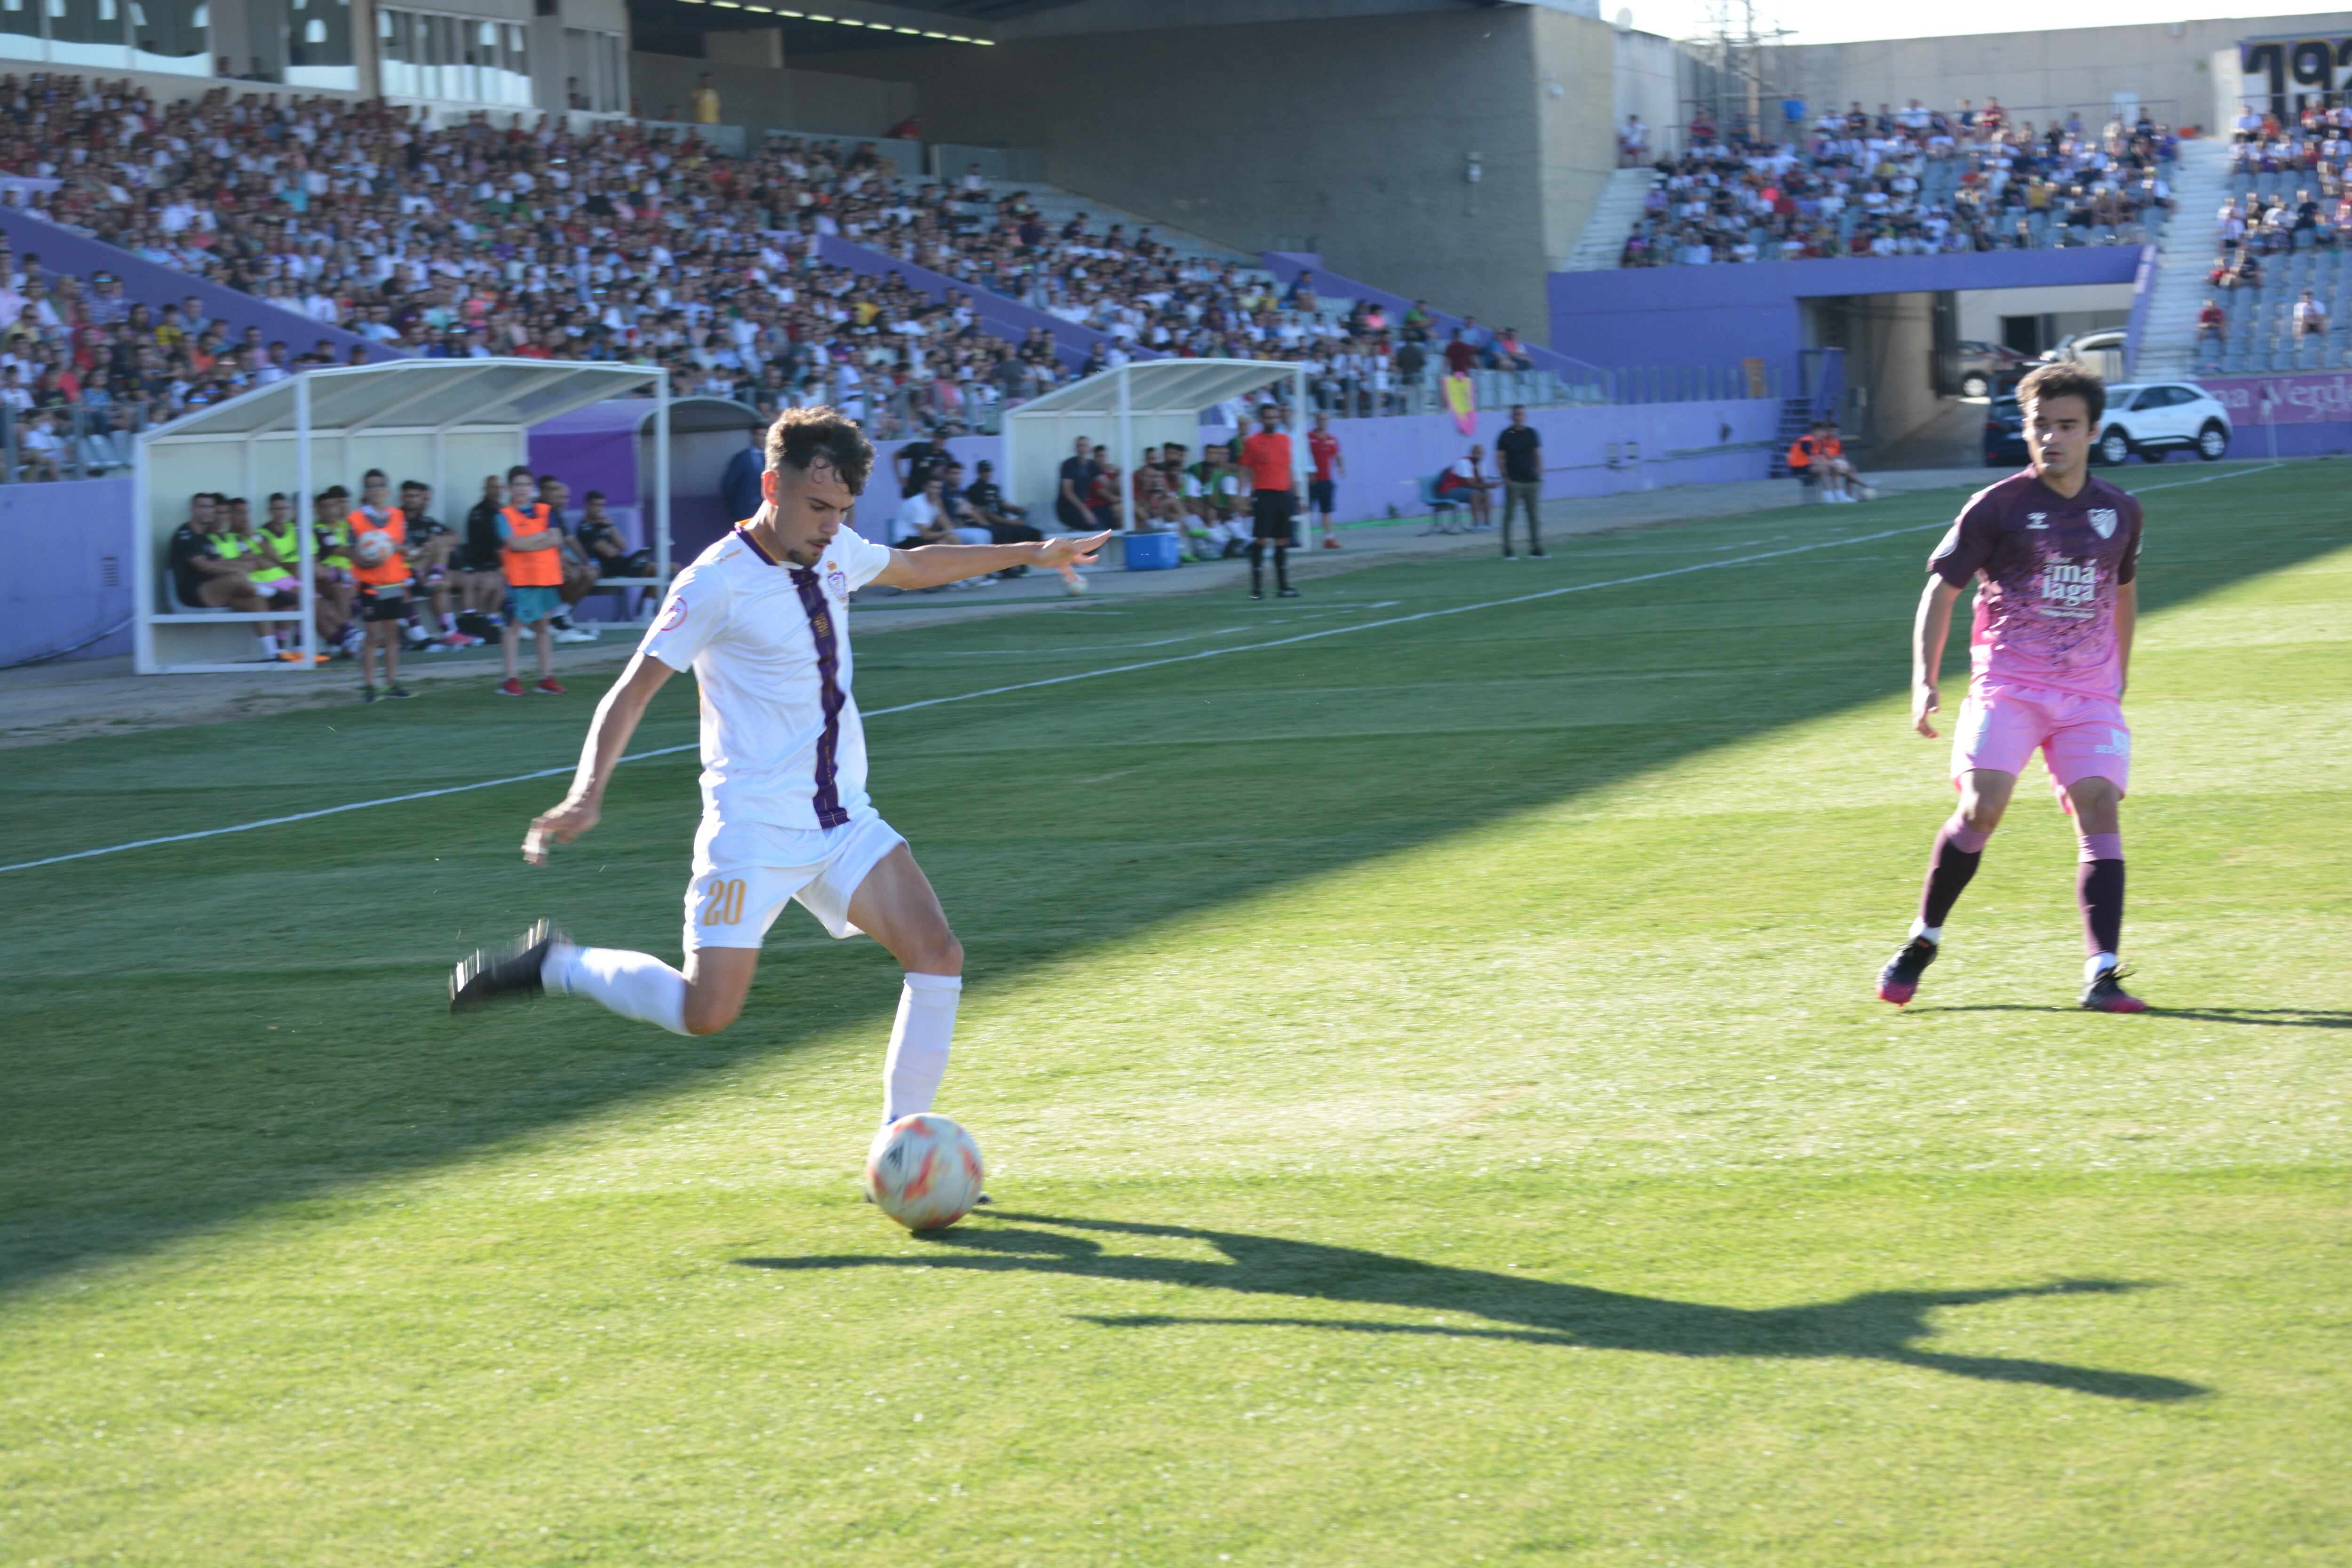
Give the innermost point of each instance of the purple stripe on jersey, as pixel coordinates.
(828, 800)
(744, 534)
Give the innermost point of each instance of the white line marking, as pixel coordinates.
(1064, 679)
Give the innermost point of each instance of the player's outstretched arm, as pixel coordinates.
(1929, 631)
(608, 736)
(936, 565)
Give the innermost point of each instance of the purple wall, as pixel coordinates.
(1008, 319)
(58, 540)
(1386, 458)
(155, 286)
(1713, 315)
(595, 448)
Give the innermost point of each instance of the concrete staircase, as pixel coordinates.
(2184, 254)
(1614, 216)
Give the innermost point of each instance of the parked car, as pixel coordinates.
(2159, 419)
(2152, 420)
(2101, 350)
(1985, 368)
(2004, 434)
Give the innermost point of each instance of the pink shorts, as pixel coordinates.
(2079, 737)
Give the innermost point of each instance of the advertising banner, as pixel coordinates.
(2324, 398)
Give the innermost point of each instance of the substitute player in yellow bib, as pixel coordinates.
(761, 619)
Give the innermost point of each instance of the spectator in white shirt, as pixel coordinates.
(2310, 316)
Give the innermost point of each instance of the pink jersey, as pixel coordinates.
(2046, 608)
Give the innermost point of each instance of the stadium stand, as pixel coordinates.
(476, 238)
(1915, 182)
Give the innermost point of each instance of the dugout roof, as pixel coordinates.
(415, 394)
(1161, 386)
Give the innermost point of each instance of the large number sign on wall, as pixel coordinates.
(2287, 76)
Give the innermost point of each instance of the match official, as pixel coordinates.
(1274, 512)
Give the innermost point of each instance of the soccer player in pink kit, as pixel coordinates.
(2058, 553)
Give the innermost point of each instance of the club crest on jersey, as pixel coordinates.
(2103, 519)
(836, 582)
(675, 617)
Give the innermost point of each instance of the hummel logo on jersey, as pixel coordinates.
(2118, 741)
(2037, 519)
(2103, 518)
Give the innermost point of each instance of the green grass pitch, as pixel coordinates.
(1430, 1078)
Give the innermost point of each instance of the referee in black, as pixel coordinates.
(1274, 502)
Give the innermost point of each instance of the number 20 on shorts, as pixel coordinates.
(723, 904)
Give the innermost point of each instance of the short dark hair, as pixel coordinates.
(522, 468)
(375, 474)
(2064, 381)
(800, 436)
(414, 485)
(594, 495)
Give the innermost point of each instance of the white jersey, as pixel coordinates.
(783, 755)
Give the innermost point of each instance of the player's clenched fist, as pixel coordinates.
(567, 822)
(1924, 703)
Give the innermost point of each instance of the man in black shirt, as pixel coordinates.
(914, 462)
(483, 589)
(1076, 490)
(1002, 520)
(1520, 446)
(200, 578)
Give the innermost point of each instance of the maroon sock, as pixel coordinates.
(1958, 850)
(2099, 884)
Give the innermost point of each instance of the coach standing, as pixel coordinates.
(1520, 446)
(1273, 503)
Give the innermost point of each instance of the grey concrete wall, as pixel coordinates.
(762, 98)
(1350, 137)
(2041, 76)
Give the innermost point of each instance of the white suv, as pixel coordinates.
(2160, 418)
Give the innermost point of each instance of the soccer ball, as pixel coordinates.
(924, 1172)
(373, 548)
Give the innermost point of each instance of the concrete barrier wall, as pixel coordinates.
(69, 551)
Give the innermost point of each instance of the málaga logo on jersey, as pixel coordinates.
(675, 617)
(2103, 518)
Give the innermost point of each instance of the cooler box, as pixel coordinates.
(1152, 552)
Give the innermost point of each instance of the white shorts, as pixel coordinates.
(729, 905)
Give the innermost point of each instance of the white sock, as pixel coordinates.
(1933, 933)
(448, 624)
(633, 985)
(919, 1043)
(2098, 964)
(268, 643)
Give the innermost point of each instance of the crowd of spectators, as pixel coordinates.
(1902, 183)
(479, 238)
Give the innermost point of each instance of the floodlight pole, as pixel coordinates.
(305, 541)
(661, 480)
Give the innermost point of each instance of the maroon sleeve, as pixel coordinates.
(2129, 570)
(1963, 551)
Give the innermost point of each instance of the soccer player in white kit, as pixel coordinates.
(761, 619)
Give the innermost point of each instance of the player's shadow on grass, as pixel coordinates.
(2267, 1017)
(1878, 1325)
